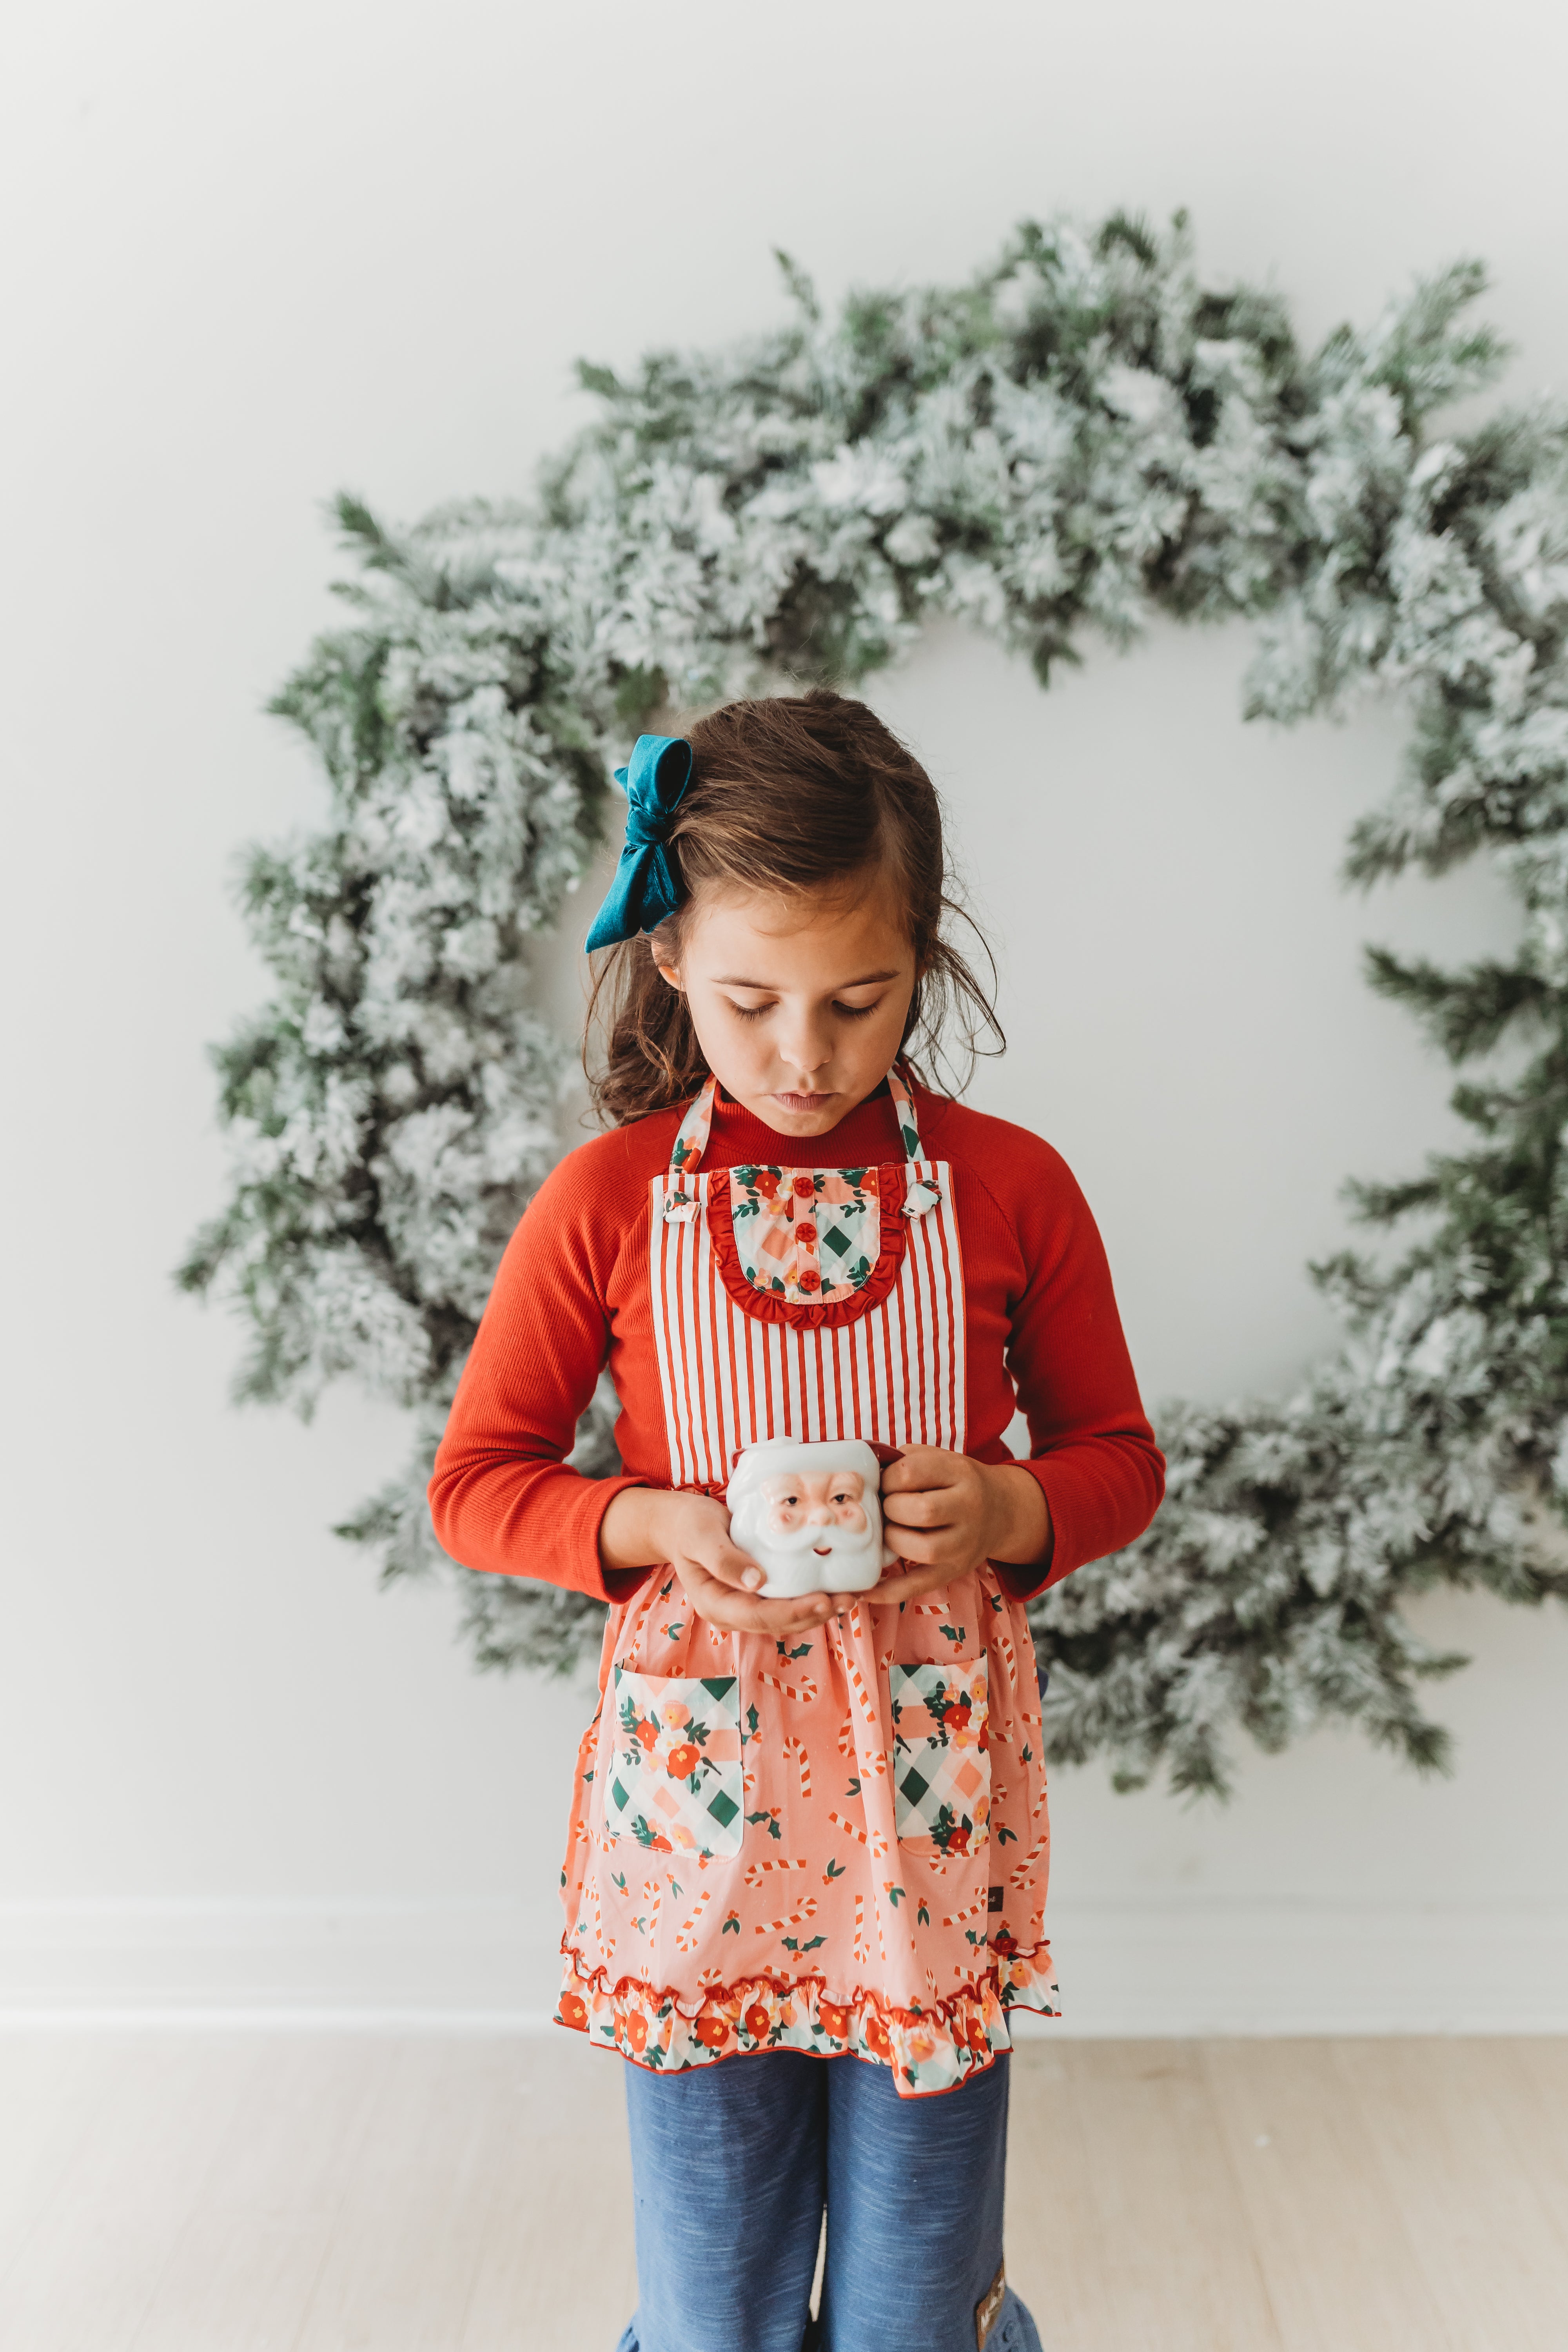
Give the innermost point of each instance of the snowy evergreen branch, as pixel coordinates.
(1085, 435)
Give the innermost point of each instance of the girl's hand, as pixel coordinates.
(945, 1514)
(647, 1527)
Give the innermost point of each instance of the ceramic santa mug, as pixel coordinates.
(810, 1514)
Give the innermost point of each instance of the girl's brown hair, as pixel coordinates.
(787, 793)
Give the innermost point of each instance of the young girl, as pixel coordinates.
(809, 1829)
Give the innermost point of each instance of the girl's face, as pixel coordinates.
(798, 1005)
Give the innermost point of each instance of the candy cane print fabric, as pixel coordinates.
(837, 1844)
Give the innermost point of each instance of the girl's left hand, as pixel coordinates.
(945, 1514)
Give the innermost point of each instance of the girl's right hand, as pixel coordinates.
(645, 1528)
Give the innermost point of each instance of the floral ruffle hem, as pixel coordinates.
(930, 2049)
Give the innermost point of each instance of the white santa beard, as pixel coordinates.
(811, 1558)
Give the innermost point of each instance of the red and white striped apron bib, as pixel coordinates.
(837, 1844)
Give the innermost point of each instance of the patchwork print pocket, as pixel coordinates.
(673, 1771)
(942, 1762)
(809, 1235)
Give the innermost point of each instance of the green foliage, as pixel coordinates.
(1083, 435)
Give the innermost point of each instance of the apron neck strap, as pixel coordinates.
(691, 1141)
(904, 1105)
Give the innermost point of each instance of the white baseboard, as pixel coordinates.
(490, 1968)
(452, 1967)
(1312, 1968)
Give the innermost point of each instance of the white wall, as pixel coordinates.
(253, 257)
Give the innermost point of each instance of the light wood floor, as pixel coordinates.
(301, 2193)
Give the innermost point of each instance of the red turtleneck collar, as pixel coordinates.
(865, 1136)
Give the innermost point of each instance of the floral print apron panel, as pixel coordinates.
(850, 1921)
(808, 1235)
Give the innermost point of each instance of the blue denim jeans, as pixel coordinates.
(732, 2166)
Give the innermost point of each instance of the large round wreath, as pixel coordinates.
(1085, 434)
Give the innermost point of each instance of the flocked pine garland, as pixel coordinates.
(1085, 435)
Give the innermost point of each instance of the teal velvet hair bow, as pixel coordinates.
(644, 890)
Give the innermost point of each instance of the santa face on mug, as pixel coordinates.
(812, 1523)
(804, 1511)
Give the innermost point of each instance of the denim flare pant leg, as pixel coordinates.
(733, 2165)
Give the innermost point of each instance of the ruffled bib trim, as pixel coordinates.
(765, 1306)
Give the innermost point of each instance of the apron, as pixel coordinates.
(837, 1844)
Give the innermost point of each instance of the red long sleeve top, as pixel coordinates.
(573, 1294)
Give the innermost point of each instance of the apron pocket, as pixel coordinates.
(942, 1761)
(674, 1778)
